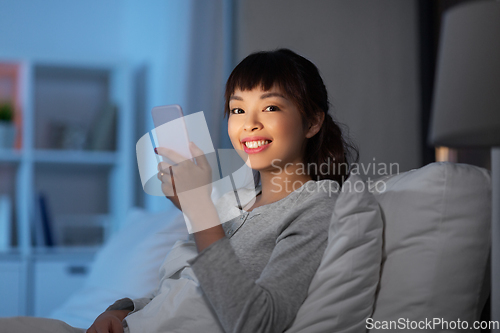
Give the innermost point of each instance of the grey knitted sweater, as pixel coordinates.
(257, 277)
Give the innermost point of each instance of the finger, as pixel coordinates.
(171, 154)
(116, 326)
(200, 157)
(164, 166)
(165, 176)
(167, 183)
(92, 329)
(195, 150)
(168, 190)
(101, 330)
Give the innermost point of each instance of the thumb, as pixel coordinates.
(195, 150)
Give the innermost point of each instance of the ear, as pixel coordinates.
(315, 126)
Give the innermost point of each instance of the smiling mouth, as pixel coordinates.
(256, 144)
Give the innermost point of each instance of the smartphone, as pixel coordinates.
(170, 128)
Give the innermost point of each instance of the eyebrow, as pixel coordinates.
(263, 96)
(271, 94)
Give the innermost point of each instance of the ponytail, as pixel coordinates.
(331, 152)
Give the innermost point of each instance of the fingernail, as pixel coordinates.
(156, 151)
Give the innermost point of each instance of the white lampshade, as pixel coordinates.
(466, 110)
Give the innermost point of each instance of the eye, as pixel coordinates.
(272, 108)
(237, 111)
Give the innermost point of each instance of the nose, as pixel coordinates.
(252, 122)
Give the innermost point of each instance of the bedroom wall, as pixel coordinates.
(154, 33)
(59, 29)
(366, 51)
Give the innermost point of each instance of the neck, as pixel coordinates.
(277, 185)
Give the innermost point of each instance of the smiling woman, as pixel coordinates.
(255, 270)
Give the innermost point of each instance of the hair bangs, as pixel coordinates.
(265, 70)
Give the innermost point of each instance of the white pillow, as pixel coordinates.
(127, 266)
(436, 244)
(342, 292)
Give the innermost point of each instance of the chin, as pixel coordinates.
(260, 165)
(255, 165)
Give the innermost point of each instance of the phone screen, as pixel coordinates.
(170, 128)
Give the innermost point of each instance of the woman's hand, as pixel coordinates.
(192, 182)
(191, 188)
(109, 322)
(167, 187)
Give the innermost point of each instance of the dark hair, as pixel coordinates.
(300, 81)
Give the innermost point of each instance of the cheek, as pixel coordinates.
(290, 128)
(232, 131)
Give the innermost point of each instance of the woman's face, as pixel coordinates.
(268, 127)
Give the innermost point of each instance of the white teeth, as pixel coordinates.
(256, 144)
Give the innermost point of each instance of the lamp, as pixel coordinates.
(466, 109)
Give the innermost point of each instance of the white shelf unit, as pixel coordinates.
(79, 184)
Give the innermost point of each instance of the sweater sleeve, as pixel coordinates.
(270, 303)
(133, 305)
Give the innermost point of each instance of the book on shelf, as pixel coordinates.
(43, 226)
(5, 223)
